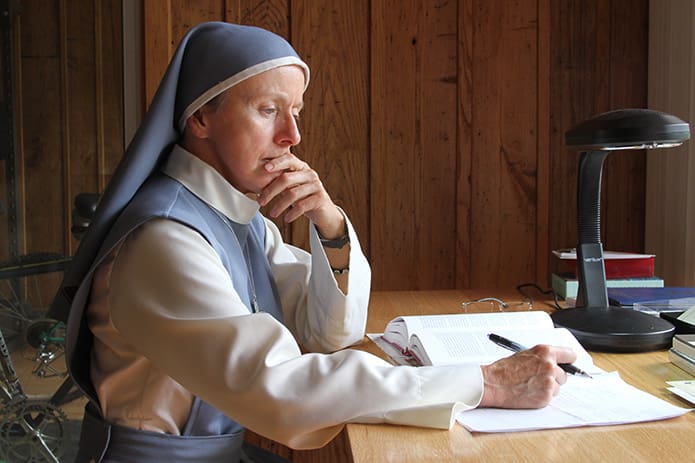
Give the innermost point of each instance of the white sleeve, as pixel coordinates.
(172, 299)
(321, 317)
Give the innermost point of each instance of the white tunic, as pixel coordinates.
(168, 325)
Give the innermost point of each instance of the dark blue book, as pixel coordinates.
(628, 297)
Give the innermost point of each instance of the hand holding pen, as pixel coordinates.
(516, 347)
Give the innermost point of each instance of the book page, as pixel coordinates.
(477, 321)
(455, 347)
(571, 254)
(462, 338)
(684, 344)
(399, 331)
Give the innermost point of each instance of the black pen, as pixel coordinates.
(516, 347)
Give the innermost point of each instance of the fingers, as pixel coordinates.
(564, 354)
(292, 172)
(287, 162)
(527, 379)
(296, 191)
(551, 356)
(295, 202)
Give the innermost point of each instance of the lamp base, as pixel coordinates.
(615, 329)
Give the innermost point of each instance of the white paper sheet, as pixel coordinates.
(604, 400)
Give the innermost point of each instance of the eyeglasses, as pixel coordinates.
(493, 304)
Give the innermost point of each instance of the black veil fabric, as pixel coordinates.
(211, 58)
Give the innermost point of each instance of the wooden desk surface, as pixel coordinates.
(663, 441)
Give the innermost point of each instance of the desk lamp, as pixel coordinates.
(594, 323)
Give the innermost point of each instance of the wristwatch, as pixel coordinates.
(336, 243)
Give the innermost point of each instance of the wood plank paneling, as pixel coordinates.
(413, 143)
(68, 97)
(273, 15)
(186, 14)
(464, 142)
(503, 158)
(543, 149)
(79, 46)
(157, 43)
(670, 191)
(39, 146)
(39, 154)
(624, 211)
(109, 83)
(335, 124)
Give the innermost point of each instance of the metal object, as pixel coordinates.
(32, 432)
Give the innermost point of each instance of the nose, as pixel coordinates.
(288, 132)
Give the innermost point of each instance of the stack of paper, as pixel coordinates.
(604, 400)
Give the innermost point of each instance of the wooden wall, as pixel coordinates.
(670, 207)
(438, 125)
(68, 106)
(64, 87)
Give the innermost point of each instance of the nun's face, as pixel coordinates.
(255, 123)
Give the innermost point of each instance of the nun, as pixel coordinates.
(188, 317)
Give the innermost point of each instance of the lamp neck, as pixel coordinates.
(589, 196)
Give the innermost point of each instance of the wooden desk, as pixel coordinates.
(662, 441)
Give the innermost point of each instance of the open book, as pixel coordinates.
(462, 338)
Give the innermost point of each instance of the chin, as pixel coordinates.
(257, 187)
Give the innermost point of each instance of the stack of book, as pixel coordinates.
(623, 270)
(682, 352)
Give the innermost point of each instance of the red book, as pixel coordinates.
(618, 264)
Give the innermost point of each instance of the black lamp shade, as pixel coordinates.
(628, 128)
